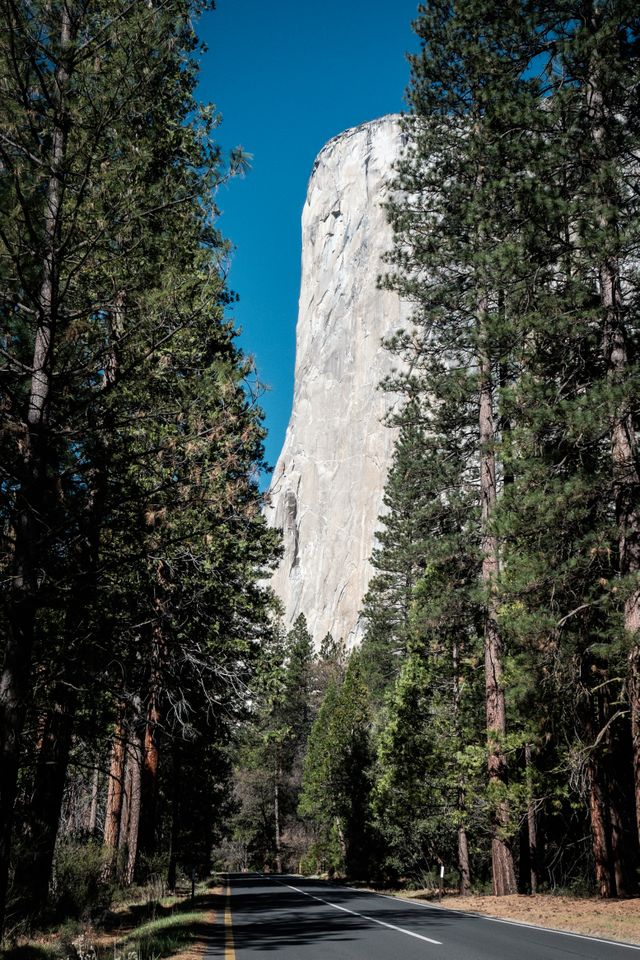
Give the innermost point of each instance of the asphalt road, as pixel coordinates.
(294, 919)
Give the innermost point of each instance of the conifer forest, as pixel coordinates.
(158, 720)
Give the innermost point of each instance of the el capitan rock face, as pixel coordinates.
(326, 491)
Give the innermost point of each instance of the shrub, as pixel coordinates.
(79, 888)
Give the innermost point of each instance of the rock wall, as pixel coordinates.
(326, 491)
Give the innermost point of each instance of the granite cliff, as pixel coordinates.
(327, 486)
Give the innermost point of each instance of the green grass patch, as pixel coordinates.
(135, 930)
(158, 938)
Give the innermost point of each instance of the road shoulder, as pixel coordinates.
(615, 920)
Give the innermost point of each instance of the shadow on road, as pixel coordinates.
(267, 916)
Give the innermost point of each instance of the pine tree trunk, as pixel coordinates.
(148, 833)
(463, 846)
(92, 820)
(31, 501)
(149, 782)
(532, 827)
(33, 870)
(624, 456)
(617, 848)
(599, 833)
(620, 811)
(596, 726)
(175, 820)
(115, 793)
(125, 812)
(134, 808)
(341, 839)
(624, 445)
(276, 816)
(463, 862)
(503, 872)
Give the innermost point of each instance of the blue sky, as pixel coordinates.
(287, 75)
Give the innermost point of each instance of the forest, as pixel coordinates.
(157, 720)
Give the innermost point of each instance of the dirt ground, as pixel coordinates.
(612, 919)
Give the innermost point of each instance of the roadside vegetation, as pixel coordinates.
(147, 925)
(156, 720)
(133, 552)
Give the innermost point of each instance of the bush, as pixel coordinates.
(152, 871)
(324, 855)
(79, 888)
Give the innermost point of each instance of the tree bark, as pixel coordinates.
(33, 873)
(175, 819)
(341, 839)
(147, 837)
(599, 833)
(503, 872)
(463, 862)
(617, 848)
(626, 480)
(134, 808)
(92, 819)
(624, 444)
(31, 500)
(276, 815)
(115, 793)
(532, 827)
(33, 870)
(463, 846)
(617, 777)
(125, 812)
(148, 833)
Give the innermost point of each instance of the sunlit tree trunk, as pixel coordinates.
(503, 872)
(92, 819)
(532, 826)
(624, 445)
(133, 825)
(115, 794)
(463, 846)
(276, 814)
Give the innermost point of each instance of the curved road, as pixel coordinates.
(296, 919)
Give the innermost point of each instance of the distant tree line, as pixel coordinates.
(132, 549)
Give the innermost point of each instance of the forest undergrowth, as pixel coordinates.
(142, 926)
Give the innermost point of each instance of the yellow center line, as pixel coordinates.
(229, 948)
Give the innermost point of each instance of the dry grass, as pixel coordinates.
(611, 919)
(173, 927)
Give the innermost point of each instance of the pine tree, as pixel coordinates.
(398, 558)
(461, 192)
(336, 783)
(268, 772)
(568, 594)
(517, 223)
(132, 444)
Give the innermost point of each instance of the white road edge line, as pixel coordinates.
(337, 906)
(513, 923)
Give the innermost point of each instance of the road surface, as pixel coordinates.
(294, 919)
